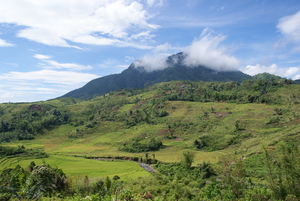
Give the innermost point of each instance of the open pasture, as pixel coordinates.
(79, 167)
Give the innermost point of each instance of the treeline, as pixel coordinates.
(139, 146)
(8, 151)
(249, 91)
(25, 124)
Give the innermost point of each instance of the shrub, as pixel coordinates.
(137, 146)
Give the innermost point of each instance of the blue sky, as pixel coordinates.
(48, 48)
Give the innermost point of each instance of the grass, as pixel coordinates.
(107, 136)
(78, 166)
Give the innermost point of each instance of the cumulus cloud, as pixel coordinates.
(95, 22)
(152, 62)
(207, 51)
(272, 69)
(289, 26)
(51, 64)
(3, 43)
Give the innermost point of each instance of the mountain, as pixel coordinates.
(137, 77)
(297, 81)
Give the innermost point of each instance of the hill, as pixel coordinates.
(225, 131)
(230, 112)
(138, 77)
(297, 81)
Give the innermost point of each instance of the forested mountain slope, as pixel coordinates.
(138, 77)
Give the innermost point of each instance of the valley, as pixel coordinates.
(211, 121)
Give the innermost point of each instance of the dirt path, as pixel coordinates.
(147, 167)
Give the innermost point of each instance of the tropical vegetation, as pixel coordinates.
(200, 141)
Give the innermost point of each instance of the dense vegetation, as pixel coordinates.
(149, 106)
(227, 180)
(137, 146)
(254, 124)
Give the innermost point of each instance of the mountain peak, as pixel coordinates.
(143, 73)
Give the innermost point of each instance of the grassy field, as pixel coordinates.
(105, 139)
(79, 167)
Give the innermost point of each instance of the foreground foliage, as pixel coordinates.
(227, 180)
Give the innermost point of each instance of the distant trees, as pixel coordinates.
(9, 151)
(138, 146)
(146, 113)
(249, 91)
(26, 123)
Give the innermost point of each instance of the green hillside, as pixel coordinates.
(162, 122)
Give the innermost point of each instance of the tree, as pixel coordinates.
(188, 158)
(45, 180)
(283, 170)
(234, 177)
(37, 181)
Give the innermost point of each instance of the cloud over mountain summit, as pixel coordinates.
(205, 50)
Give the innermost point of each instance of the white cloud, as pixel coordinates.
(272, 69)
(143, 36)
(3, 43)
(289, 26)
(155, 2)
(6, 96)
(207, 51)
(49, 76)
(51, 64)
(41, 56)
(163, 48)
(296, 77)
(152, 62)
(94, 22)
(53, 81)
(129, 59)
(39, 85)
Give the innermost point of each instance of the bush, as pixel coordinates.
(10, 151)
(136, 146)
